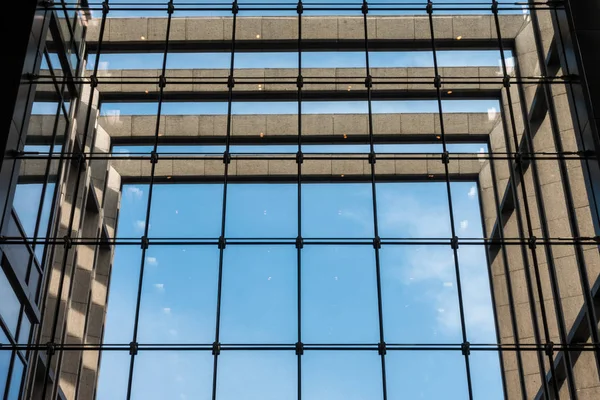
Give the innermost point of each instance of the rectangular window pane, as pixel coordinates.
(342, 375)
(337, 210)
(339, 295)
(16, 379)
(179, 295)
(259, 295)
(9, 304)
(4, 362)
(172, 375)
(269, 375)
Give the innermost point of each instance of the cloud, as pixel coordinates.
(139, 225)
(151, 260)
(134, 192)
(464, 224)
(472, 192)
(167, 310)
(160, 286)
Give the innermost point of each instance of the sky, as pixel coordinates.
(339, 296)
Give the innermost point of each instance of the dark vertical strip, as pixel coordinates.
(133, 346)
(226, 160)
(377, 240)
(445, 160)
(299, 244)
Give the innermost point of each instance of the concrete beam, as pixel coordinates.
(206, 33)
(256, 125)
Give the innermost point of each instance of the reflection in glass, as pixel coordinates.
(337, 210)
(4, 362)
(179, 295)
(259, 295)
(339, 295)
(342, 375)
(9, 304)
(162, 375)
(16, 379)
(260, 375)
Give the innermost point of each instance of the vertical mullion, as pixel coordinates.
(51, 348)
(445, 160)
(376, 240)
(518, 165)
(299, 345)
(133, 346)
(226, 160)
(509, 289)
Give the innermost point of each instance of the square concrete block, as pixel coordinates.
(252, 167)
(286, 125)
(350, 124)
(205, 28)
(188, 167)
(35, 125)
(411, 167)
(282, 167)
(453, 123)
(149, 76)
(280, 28)
(220, 125)
(214, 168)
(145, 125)
(500, 290)
(398, 28)
(383, 78)
(116, 125)
(525, 40)
(472, 26)
(319, 78)
(350, 79)
(210, 80)
(504, 321)
(206, 125)
(317, 124)
(347, 167)
(253, 79)
(354, 28)
(468, 167)
(249, 125)
(382, 167)
(319, 28)
(316, 167)
(157, 29)
(179, 80)
(510, 25)
(421, 78)
(554, 202)
(181, 125)
(128, 29)
(467, 76)
(248, 28)
(481, 123)
(284, 78)
(563, 112)
(386, 124)
(127, 168)
(492, 76)
(93, 29)
(164, 168)
(417, 123)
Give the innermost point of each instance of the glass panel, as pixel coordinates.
(342, 375)
(413, 210)
(486, 376)
(420, 302)
(172, 375)
(179, 296)
(26, 204)
(262, 210)
(15, 379)
(24, 330)
(337, 210)
(259, 295)
(9, 304)
(268, 375)
(184, 211)
(426, 375)
(114, 373)
(339, 295)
